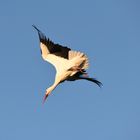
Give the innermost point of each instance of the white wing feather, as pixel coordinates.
(62, 65)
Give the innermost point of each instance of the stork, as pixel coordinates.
(70, 65)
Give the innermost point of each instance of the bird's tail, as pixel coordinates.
(92, 80)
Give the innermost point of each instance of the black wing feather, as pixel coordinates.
(53, 48)
(79, 76)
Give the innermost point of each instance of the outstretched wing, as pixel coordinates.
(49, 47)
(60, 57)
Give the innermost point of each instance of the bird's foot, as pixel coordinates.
(82, 71)
(76, 68)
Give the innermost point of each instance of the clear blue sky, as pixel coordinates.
(108, 31)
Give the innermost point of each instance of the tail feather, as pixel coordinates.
(83, 64)
(93, 80)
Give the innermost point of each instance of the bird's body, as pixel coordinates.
(70, 65)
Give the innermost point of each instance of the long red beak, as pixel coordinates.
(45, 97)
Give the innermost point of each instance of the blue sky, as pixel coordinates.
(108, 32)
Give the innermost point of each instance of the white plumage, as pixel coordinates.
(70, 65)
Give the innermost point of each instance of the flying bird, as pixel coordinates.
(70, 65)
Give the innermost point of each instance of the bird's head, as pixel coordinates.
(48, 91)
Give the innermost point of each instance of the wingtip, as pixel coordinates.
(98, 83)
(36, 28)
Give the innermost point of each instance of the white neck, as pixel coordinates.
(51, 88)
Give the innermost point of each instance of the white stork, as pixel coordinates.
(70, 65)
